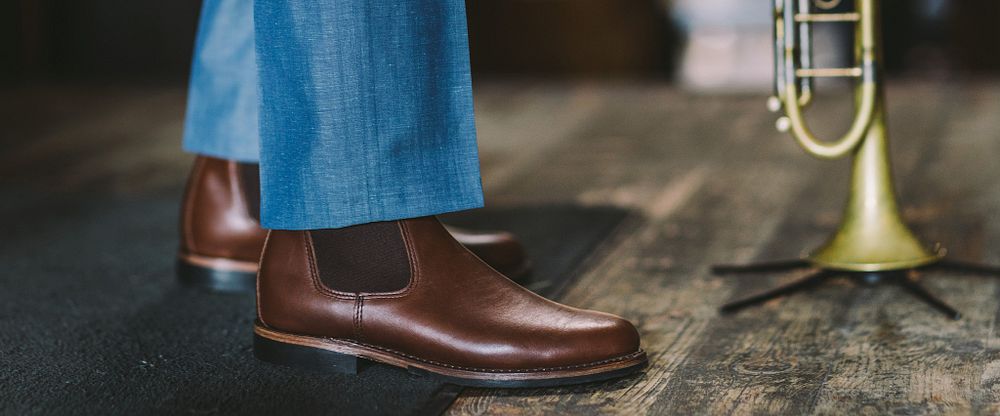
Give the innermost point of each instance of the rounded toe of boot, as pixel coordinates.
(599, 337)
(621, 337)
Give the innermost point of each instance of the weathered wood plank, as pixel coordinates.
(901, 356)
(839, 349)
(710, 182)
(655, 267)
(772, 360)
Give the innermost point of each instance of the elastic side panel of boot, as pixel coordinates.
(367, 258)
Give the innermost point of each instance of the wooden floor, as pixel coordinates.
(709, 181)
(715, 183)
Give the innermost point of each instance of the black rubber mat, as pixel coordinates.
(92, 320)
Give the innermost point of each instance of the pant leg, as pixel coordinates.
(366, 111)
(222, 98)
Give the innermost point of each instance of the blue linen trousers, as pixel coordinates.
(357, 110)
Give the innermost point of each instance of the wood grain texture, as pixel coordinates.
(714, 183)
(709, 181)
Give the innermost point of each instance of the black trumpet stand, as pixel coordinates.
(908, 279)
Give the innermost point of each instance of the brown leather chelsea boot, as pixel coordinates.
(221, 236)
(407, 294)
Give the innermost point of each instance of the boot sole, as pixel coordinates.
(217, 274)
(342, 356)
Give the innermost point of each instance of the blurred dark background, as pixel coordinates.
(143, 41)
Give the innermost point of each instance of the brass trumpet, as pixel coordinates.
(872, 243)
(873, 236)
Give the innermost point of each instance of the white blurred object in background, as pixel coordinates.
(729, 45)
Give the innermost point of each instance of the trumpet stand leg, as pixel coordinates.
(909, 282)
(905, 278)
(778, 292)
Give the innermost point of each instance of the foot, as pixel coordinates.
(221, 236)
(406, 293)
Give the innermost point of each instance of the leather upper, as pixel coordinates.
(455, 310)
(216, 219)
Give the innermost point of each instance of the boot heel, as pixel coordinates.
(217, 280)
(298, 356)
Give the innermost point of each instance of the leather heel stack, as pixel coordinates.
(298, 356)
(219, 280)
